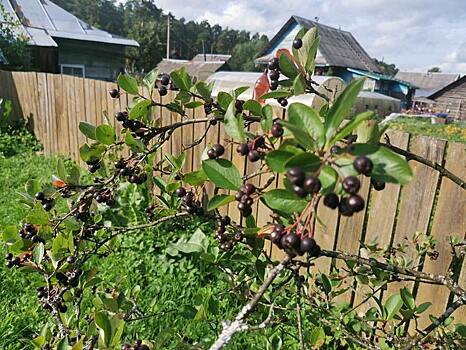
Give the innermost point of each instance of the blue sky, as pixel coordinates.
(413, 34)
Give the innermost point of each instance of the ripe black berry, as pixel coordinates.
(277, 130)
(254, 156)
(245, 209)
(299, 191)
(296, 176)
(165, 79)
(242, 149)
(48, 206)
(351, 184)
(292, 241)
(121, 116)
(93, 168)
(114, 93)
(331, 200)
(191, 209)
(128, 124)
(283, 102)
(211, 153)
(312, 184)
(273, 63)
(273, 85)
(219, 149)
(378, 185)
(227, 246)
(344, 207)
(275, 236)
(239, 106)
(180, 192)
(40, 196)
(248, 189)
(355, 203)
(297, 43)
(274, 75)
(9, 256)
(363, 165)
(225, 221)
(315, 252)
(279, 228)
(307, 245)
(163, 91)
(120, 164)
(335, 150)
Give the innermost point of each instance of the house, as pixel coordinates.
(451, 99)
(62, 43)
(427, 83)
(341, 55)
(200, 67)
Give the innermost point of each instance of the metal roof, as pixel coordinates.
(427, 83)
(337, 47)
(378, 76)
(447, 88)
(211, 57)
(199, 69)
(43, 20)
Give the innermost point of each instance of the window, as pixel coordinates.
(76, 70)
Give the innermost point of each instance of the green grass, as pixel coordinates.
(455, 132)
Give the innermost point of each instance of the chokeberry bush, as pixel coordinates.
(319, 157)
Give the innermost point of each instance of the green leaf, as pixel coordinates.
(408, 298)
(222, 173)
(10, 235)
(300, 135)
(181, 79)
(139, 109)
(276, 94)
(37, 216)
(388, 166)
(234, 124)
(238, 91)
(461, 329)
(150, 78)
(128, 83)
(39, 341)
(326, 284)
(392, 306)
(328, 178)
(288, 67)
(299, 85)
(219, 200)
(135, 144)
(103, 323)
(284, 201)
(88, 130)
(94, 151)
(32, 186)
(224, 100)
(63, 344)
(276, 160)
(79, 345)
(105, 134)
(348, 128)
(204, 90)
(423, 307)
(317, 337)
(276, 343)
(267, 118)
(195, 178)
(61, 172)
(193, 104)
(342, 107)
(253, 106)
(307, 119)
(38, 253)
(308, 162)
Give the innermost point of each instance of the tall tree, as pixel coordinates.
(389, 69)
(245, 53)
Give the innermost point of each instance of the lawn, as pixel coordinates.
(455, 132)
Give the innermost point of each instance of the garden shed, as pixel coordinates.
(427, 83)
(62, 43)
(452, 99)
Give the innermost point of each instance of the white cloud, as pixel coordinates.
(413, 34)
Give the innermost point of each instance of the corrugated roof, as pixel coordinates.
(337, 47)
(378, 76)
(43, 20)
(447, 88)
(427, 83)
(199, 69)
(211, 57)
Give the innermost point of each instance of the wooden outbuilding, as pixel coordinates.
(452, 99)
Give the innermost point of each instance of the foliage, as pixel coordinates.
(76, 223)
(389, 69)
(145, 22)
(13, 44)
(455, 132)
(434, 70)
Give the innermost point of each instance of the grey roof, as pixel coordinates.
(337, 47)
(447, 88)
(199, 69)
(427, 83)
(211, 57)
(43, 20)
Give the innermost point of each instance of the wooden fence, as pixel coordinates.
(55, 104)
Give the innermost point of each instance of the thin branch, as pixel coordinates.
(298, 314)
(443, 172)
(239, 323)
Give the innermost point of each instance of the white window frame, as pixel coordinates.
(73, 66)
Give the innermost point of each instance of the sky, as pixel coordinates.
(413, 34)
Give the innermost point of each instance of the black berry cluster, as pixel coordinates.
(244, 197)
(192, 206)
(12, 260)
(138, 129)
(227, 239)
(239, 106)
(164, 81)
(138, 345)
(253, 149)
(216, 151)
(93, 165)
(303, 184)
(69, 278)
(134, 174)
(47, 203)
(274, 72)
(29, 231)
(292, 243)
(51, 296)
(105, 196)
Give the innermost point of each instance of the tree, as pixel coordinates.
(389, 69)
(72, 222)
(245, 53)
(434, 70)
(13, 44)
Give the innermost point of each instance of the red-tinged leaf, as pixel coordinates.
(291, 57)
(57, 182)
(261, 87)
